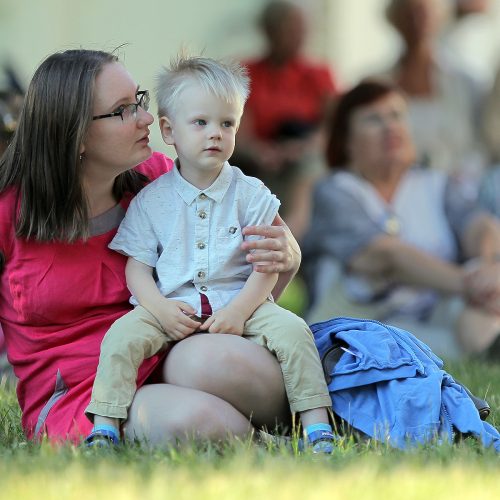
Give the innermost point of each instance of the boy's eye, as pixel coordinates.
(200, 122)
(228, 124)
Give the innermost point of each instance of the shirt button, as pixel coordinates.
(202, 215)
(203, 196)
(201, 245)
(201, 274)
(203, 288)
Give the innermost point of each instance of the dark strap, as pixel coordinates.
(331, 358)
(481, 405)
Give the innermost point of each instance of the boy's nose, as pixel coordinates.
(215, 133)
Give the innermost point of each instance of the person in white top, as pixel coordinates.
(413, 250)
(439, 92)
(186, 270)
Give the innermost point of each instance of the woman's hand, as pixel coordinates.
(276, 252)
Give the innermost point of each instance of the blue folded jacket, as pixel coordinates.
(391, 386)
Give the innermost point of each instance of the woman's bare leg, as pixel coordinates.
(234, 369)
(162, 413)
(477, 329)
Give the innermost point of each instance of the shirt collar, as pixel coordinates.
(216, 191)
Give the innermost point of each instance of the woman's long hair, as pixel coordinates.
(42, 162)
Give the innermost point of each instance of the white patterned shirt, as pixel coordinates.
(192, 237)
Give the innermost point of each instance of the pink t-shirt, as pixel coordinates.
(57, 300)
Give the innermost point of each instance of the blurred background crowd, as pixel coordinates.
(376, 123)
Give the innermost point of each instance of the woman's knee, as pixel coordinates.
(162, 414)
(477, 330)
(233, 369)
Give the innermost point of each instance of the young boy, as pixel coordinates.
(186, 227)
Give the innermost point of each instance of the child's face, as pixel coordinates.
(202, 130)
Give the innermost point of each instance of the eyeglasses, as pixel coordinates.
(129, 111)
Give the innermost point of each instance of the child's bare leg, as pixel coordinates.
(314, 416)
(114, 422)
(317, 430)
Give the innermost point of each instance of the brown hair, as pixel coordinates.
(42, 161)
(363, 94)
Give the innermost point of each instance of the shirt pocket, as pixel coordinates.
(229, 240)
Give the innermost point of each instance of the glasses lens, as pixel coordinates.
(129, 111)
(143, 99)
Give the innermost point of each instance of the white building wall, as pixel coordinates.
(351, 35)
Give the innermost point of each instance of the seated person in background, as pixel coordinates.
(11, 102)
(489, 197)
(280, 137)
(472, 29)
(444, 101)
(400, 232)
(489, 190)
(191, 276)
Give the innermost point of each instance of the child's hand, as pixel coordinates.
(173, 316)
(225, 320)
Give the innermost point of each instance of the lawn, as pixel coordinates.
(252, 469)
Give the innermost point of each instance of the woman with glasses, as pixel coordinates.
(401, 233)
(79, 155)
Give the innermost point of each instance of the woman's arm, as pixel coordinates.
(481, 238)
(278, 252)
(400, 262)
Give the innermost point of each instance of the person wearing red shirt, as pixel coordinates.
(79, 154)
(280, 136)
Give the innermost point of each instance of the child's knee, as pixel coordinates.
(294, 327)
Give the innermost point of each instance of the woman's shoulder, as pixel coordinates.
(155, 166)
(341, 180)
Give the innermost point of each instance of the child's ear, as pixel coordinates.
(167, 131)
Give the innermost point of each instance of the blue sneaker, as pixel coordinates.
(103, 436)
(320, 438)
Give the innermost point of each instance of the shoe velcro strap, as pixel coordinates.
(320, 435)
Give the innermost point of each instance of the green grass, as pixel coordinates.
(294, 297)
(251, 469)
